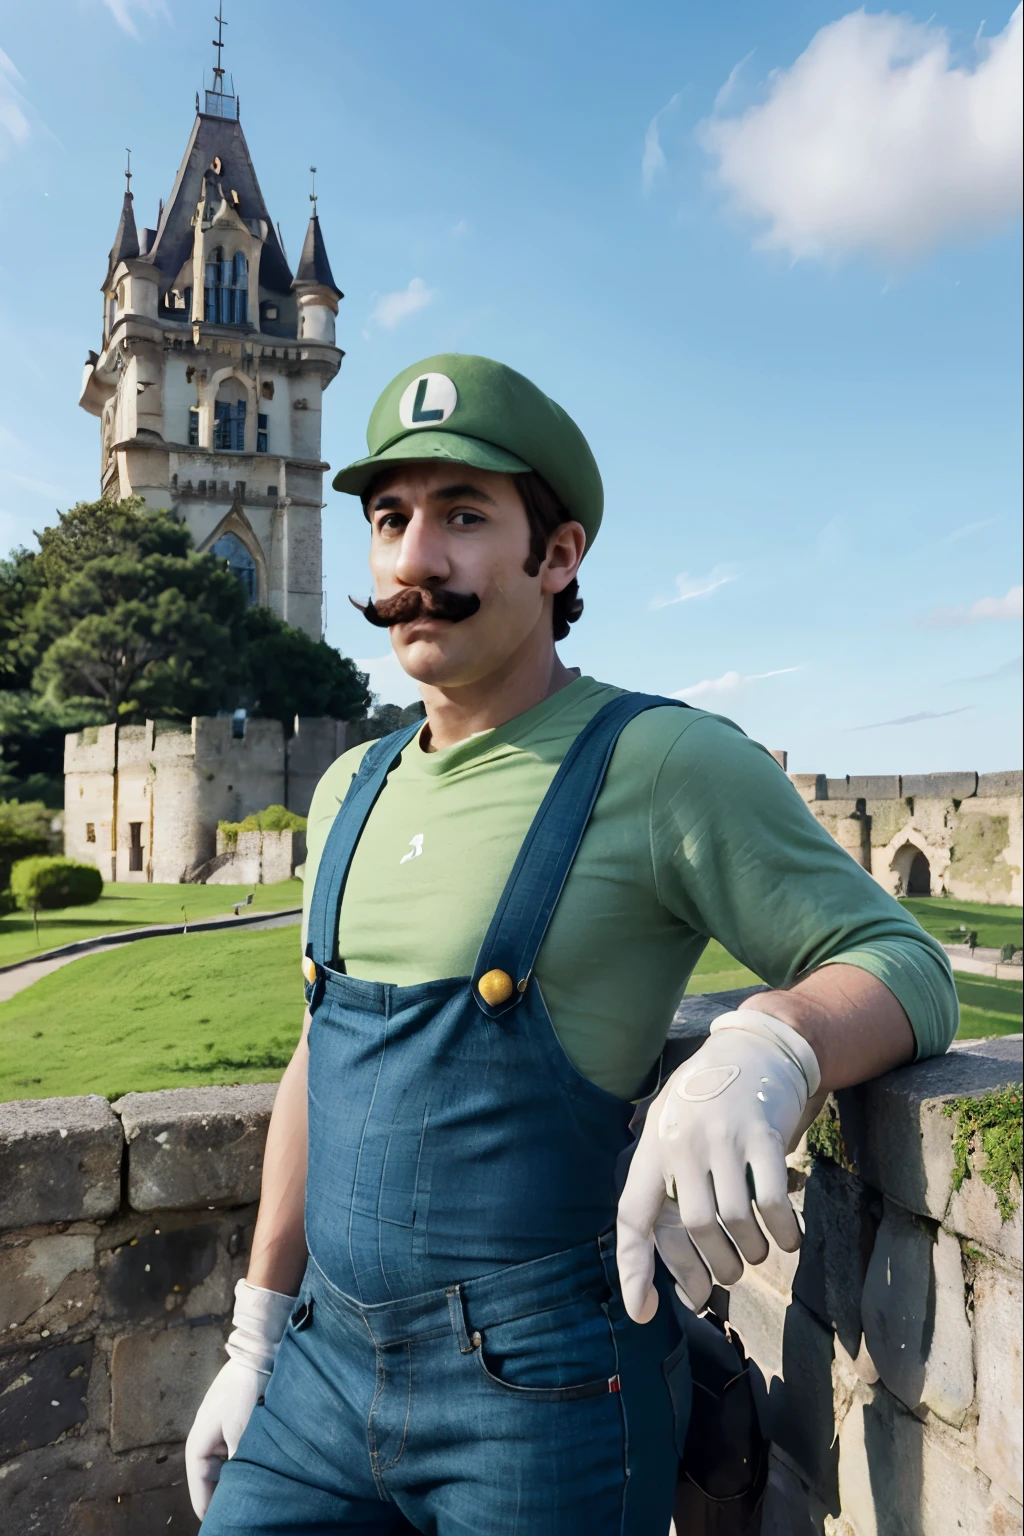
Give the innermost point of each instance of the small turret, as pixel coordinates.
(314, 286)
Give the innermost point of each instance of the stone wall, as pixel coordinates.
(967, 825)
(888, 1351)
(142, 802)
(887, 1354)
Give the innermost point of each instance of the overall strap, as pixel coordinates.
(531, 893)
(346, 830)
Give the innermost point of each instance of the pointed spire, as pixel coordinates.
(314, 266)
(126, 241)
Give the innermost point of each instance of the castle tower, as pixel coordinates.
(214, 360)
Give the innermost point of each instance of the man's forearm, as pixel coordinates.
(278, 1256)
(851, 1020)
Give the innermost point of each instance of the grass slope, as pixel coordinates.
(941, 916)
(227, 1007)
(128, 905)
(160, 1013)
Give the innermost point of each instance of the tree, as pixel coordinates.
(289, 674)
(118, 618)
(50, 884)
(141, 624)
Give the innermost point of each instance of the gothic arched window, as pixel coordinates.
(226, 294)
(229, 418)
(240, 563)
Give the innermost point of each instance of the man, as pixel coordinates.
(503, 908)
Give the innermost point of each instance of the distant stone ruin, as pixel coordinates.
(142, 802)
(926, 834)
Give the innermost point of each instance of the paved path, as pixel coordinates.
(22, 973)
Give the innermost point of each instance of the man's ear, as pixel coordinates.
(565, 551)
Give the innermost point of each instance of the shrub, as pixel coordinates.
(276, 818)
(24, 831)
(47, 884)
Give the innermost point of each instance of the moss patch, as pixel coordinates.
(990, 1125)
(978, 842)
(825, 1138)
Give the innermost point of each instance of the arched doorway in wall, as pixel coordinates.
(240, 563)
(912, 872)
(919, 876)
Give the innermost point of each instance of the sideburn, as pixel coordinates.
(545, 513)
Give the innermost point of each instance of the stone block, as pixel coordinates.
(939, 786)
(874, 786)
(973, 1213)
(810, 786)
(32, 1272)
(158, 1380)
(77, 1488)
(839, 1223)
(157, 1270)
(997, 1335)
(195, 1146)
(42, 1395)
(915, 1316)
(60, 1160)
(1009, 782)
(792, 1381)
(896, 1133)
(897, 1475)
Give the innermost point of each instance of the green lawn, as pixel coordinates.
(995, 926)
(159, 1013)
(135, 906)
(226, 1008)
(988, 1007)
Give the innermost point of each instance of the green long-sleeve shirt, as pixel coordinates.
(697, 834)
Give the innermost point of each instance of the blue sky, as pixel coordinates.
(767, 256)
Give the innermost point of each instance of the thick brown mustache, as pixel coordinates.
(416, 603)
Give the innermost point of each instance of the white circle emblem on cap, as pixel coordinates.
(428, 401)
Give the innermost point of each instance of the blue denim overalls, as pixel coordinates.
(459, 1359)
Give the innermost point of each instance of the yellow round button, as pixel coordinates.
(309, 968)
(495, 987)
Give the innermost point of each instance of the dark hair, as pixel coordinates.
(545, 513)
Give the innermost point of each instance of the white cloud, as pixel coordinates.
(688, 587)
(392, 307)
(966, 530)
(728, 90)
(925, 714)
(729, 682)
(875, 139)
(1004, 609)
(653, 162)
(124, 12)
(1012, 668)
(388, 681)
(14, 124)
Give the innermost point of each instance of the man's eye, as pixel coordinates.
(391, 522)
(464, 518)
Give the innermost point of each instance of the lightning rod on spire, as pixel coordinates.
(312, 194)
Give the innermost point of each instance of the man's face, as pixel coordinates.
(441, 528)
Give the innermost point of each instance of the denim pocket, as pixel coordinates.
(559, 1355)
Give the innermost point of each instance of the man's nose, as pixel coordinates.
(422, 559)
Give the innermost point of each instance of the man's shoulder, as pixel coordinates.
(667, 728)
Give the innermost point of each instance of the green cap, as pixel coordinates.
(470, 410)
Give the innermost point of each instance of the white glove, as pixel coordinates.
(714, 1141)
(260, 1319)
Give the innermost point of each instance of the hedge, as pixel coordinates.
(276, 818)
(47, 884)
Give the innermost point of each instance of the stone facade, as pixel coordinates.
(887, 1354)
(212, 366)
(927, 834)
(142, 802)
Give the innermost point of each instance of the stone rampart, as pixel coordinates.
(887, 1354)
(949, 834)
